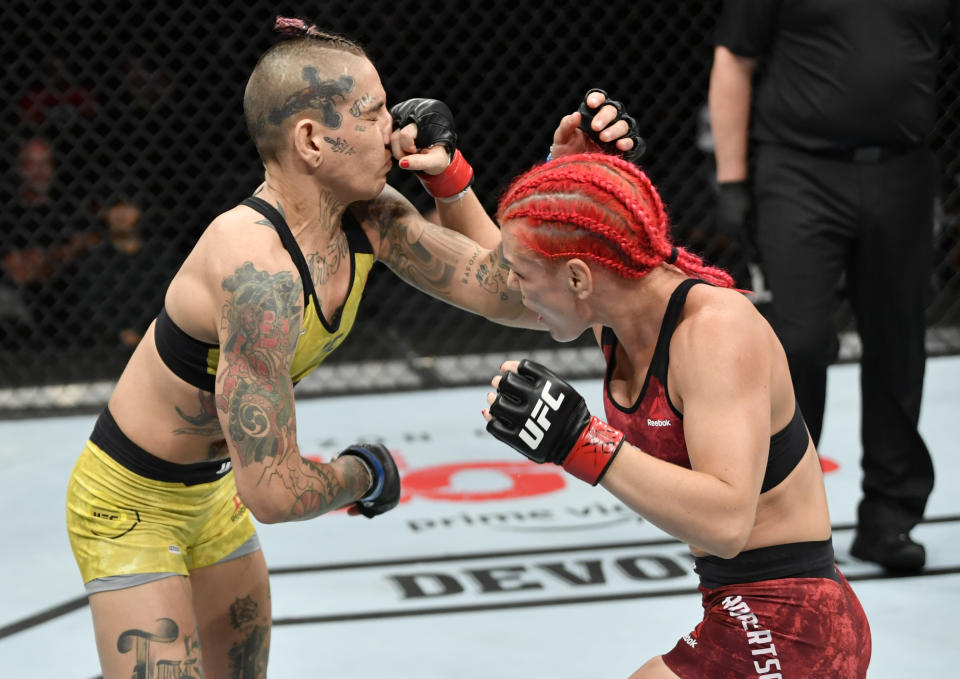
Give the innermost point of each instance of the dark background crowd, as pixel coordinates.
(124, 136)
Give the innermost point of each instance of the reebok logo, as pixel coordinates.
(535, 426)
(658, 423)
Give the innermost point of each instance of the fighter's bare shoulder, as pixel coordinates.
(242, 235)
(720, 334)
(237, 243)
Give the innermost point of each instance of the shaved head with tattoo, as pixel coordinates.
(302, 75)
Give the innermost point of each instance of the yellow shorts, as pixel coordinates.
(123, 523)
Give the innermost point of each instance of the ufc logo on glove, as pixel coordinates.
(550, 427)
(532, 434)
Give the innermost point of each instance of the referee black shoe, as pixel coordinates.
(896, 552)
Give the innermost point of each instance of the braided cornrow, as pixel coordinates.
(299, 28)
(598, 185)
(601, 208)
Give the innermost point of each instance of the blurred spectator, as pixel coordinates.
(36, 172)
(111, 294)
(41, 220)
(57, 98)
(43, 233)
(145, 83)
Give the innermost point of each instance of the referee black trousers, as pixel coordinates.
(820, 219)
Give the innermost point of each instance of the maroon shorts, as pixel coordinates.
(813, 628)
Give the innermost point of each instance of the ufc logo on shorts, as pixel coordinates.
(537, 424)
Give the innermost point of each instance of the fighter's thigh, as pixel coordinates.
(232, 600)
(147, 630)
(654, 669)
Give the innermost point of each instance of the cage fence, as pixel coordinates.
(125, 137)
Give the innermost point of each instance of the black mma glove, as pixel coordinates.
(586, 117)
(435, 126)
(734, 207)
(539, 414)
(434, 122)
(384, 492)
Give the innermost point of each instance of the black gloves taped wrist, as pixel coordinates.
(434, 122)
(384, 492)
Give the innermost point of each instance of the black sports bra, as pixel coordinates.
(665, 440)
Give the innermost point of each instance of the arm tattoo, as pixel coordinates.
(492, 274)
(261, 322)
(319, 95)
(317, 489)
(423, 259)
(435, 259)
(465, 280)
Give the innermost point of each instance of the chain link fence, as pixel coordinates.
(124, 137)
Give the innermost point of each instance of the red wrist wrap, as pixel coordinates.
(450, 182)
(593, 452)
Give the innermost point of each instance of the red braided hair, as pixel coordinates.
(599, 208)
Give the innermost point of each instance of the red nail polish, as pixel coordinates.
(404, 163)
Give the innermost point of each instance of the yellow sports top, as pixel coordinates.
(196, 362)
